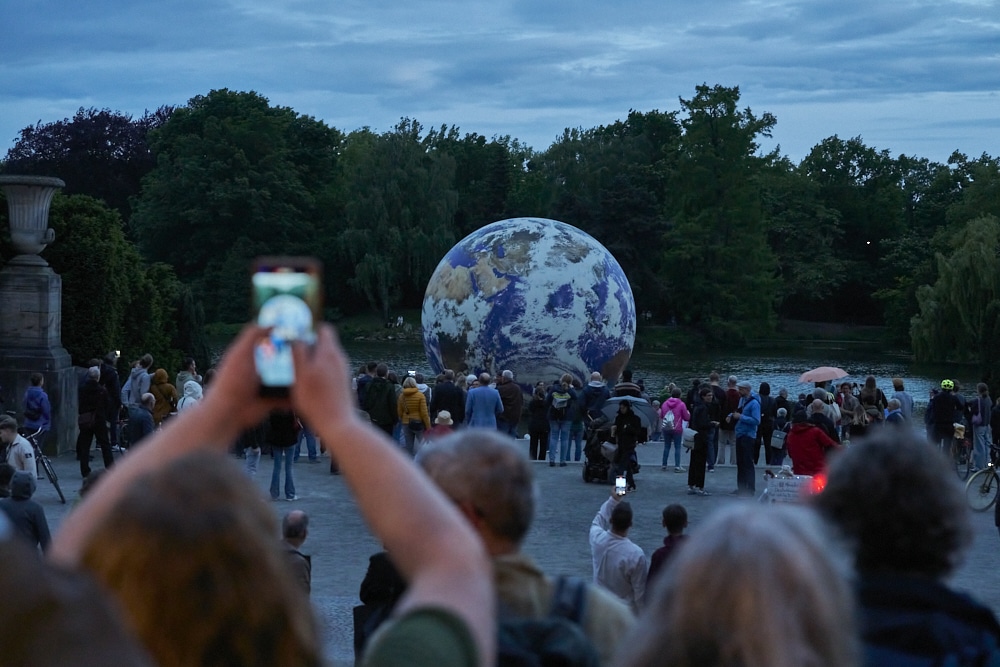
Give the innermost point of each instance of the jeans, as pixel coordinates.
(982, 436)
(712, 447)
(252, 460)
(412, 439)
(310, 445)
(286, 454)
(558, 440)
(506, 427)
(675, 439)
(746, 478)
(575, 441)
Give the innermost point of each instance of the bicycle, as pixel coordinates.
(42, 460)
(960, 452)
(983, 487)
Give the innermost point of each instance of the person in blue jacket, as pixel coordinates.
(747, 418)
(37, 409)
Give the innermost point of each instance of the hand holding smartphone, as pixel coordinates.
(287, 298)
(620, 485)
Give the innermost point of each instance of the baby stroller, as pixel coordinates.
(597, 466)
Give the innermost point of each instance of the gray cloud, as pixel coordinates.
(916, 77)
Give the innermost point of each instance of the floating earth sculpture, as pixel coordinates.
(536, 296)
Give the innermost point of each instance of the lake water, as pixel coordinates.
(779, 369)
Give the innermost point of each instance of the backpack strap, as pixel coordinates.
(569, 600)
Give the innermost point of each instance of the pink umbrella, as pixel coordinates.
(823, 374)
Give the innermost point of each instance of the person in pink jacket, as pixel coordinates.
(675, 436)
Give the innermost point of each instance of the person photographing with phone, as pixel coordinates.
(619, 564)
(447, 615)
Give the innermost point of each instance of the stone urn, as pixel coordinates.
(28, 199)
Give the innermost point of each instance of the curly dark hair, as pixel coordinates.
(895, 500)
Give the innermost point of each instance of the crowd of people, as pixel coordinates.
(188, 551)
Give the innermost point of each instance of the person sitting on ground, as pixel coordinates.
(619, 564)
(896, 502)
(211, 523)
(490, 480)
(675, 520)
(27, 516)
(294, 531)
(19, 453)
(779, 558)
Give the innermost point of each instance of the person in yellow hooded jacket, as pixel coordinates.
(412, 410)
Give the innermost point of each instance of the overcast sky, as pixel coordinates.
(914, 77)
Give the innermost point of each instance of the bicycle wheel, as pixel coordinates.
(981, 490)
(961, 458)
(50, 472)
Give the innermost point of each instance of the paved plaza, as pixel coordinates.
(340, 542)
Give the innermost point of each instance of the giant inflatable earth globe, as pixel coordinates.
(535, 296)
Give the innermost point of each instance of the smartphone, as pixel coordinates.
(620, 485)
(287, 298)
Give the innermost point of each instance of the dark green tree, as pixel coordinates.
(610, 181)
(99, 152)
(719, 268)
(959, 317)
(804, 236)
(399, 219)
(862, 185)
(236, 177)
(111, 300)
(486, 172)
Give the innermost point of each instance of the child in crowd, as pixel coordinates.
(675, 520)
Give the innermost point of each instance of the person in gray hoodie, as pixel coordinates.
(27, 516)
(139, 380)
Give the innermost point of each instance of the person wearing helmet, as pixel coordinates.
(942, 410)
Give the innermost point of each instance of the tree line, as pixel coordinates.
(713, 232)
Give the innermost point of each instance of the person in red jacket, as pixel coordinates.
(808, 446)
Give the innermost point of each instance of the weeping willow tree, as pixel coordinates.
(959, 316)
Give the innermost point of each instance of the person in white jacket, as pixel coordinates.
(620, 565)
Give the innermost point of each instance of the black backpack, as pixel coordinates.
(557, 640)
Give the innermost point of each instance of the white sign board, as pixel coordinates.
(788, 489)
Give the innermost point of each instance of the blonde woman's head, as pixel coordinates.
(753, 587)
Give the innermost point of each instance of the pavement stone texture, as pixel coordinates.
(340, 543)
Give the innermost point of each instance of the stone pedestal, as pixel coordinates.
(31, 312)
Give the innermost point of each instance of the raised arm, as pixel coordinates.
(215, 423)
(434, 547)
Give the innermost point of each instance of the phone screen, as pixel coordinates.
(620, 485)
(287, 298)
